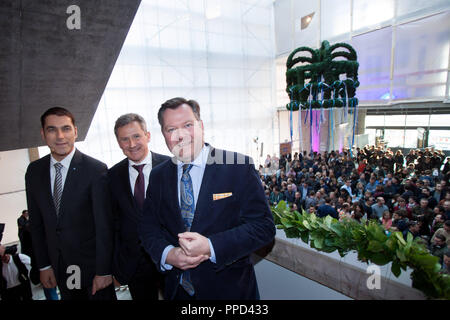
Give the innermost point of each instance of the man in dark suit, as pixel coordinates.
(206, 212)
(327, 210)
(70, 215)
(304, 190)
(128, 182)
(23, 224)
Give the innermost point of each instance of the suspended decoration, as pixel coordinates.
(323, 72)
(322, 81)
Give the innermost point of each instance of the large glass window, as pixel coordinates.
(220, 53)
(439, 139)
(394, 138)
(333, 27)
(417, 120)
(402, 45)
(374, 57)
(371, 13)
(411, 138)
(421, 58)
(375, 121)
(440, 120)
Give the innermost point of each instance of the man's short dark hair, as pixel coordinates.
(57, 111)
(412, 223)
(175, 103)
(401, 213)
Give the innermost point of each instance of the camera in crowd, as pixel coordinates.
(11, 250)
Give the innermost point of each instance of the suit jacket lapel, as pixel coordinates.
(204, 201)
(124, 180)
(155, 159)
(45, 177)
(172, 194)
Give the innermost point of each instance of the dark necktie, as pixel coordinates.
(57, 187)
(139, 186)
(187, 212)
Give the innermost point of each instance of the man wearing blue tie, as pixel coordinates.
(206, 212)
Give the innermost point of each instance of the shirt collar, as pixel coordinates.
(200, 161)
(147, 160)
(65, 162)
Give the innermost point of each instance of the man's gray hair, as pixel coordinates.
(127, 119)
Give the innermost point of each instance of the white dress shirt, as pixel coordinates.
(64, 170)
(11, 272)
(133, 173)
(196, 173)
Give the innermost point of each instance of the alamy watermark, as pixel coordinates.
(74, 279)
(187, 142)
(73, 22)
(374, 280)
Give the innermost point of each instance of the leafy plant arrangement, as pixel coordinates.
(371, 243)
(323, 69)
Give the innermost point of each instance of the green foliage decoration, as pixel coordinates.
(371, 243)
(322, 69)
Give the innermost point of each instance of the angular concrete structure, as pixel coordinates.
(45, 63)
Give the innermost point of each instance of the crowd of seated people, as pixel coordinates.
(410, 194)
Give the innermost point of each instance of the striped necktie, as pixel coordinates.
(187, 212)
(57, 187)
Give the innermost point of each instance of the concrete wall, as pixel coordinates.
(45, 63)
(292, 270)
(278, 283)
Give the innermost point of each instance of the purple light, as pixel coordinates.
(316, 131)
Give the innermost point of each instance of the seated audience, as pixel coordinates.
(412, 192)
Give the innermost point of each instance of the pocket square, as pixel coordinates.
(218, 196)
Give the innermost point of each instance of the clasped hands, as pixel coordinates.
(193, 250)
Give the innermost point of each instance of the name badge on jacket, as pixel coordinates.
(218, 196)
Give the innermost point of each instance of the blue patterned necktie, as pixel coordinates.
(187, 197)
(57, 187)
(187, 212)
